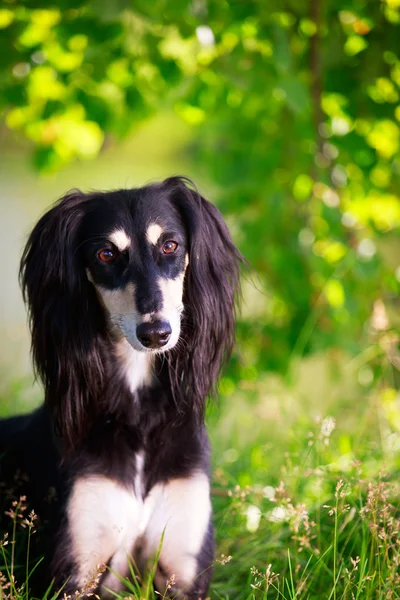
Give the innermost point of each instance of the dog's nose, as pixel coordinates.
(154, 335)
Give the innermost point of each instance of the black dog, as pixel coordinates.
(131, 299)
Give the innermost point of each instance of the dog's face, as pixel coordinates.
(135, 252)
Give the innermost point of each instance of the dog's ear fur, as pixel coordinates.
(211, 289)
(63, 316)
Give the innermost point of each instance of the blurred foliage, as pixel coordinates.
(295, 107)
(295, 113)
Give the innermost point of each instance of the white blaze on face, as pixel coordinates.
(120, 239)
(135, 364)
(153, 233)
(172, 292)
(121, 300)
(120, 305)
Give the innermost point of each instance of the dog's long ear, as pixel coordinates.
(210, 293)
(63, 318)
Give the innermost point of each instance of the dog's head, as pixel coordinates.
(134, 247)
(155, 266)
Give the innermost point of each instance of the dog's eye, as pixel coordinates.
(169, 247)
(106, 255)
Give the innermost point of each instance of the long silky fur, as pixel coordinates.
(211, 293)
(66, 323)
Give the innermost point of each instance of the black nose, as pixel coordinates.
(154, 335)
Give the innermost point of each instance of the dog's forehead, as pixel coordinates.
(156, 211)
(131, 215)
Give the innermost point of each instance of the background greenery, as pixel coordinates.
(287, 115)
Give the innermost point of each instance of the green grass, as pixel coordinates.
(311, 470)
(305, 490)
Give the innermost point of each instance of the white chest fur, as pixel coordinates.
(106, 519)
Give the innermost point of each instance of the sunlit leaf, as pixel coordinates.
(191, 114)
(383, 91)
(302, 187)
(332, 251)
(6, 17)
(334, 293)
(383, 210)
(384, 137)
(355, 44)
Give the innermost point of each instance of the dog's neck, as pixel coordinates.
(136, 367)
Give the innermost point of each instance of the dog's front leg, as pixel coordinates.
(180, 527)
(102, 524)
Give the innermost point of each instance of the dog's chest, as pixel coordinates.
(111, 499)
(139, 483)
(109, 522)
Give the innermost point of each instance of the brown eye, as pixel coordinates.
(169, 247)
(106, 255)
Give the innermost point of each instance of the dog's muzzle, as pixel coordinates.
(154, 335)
